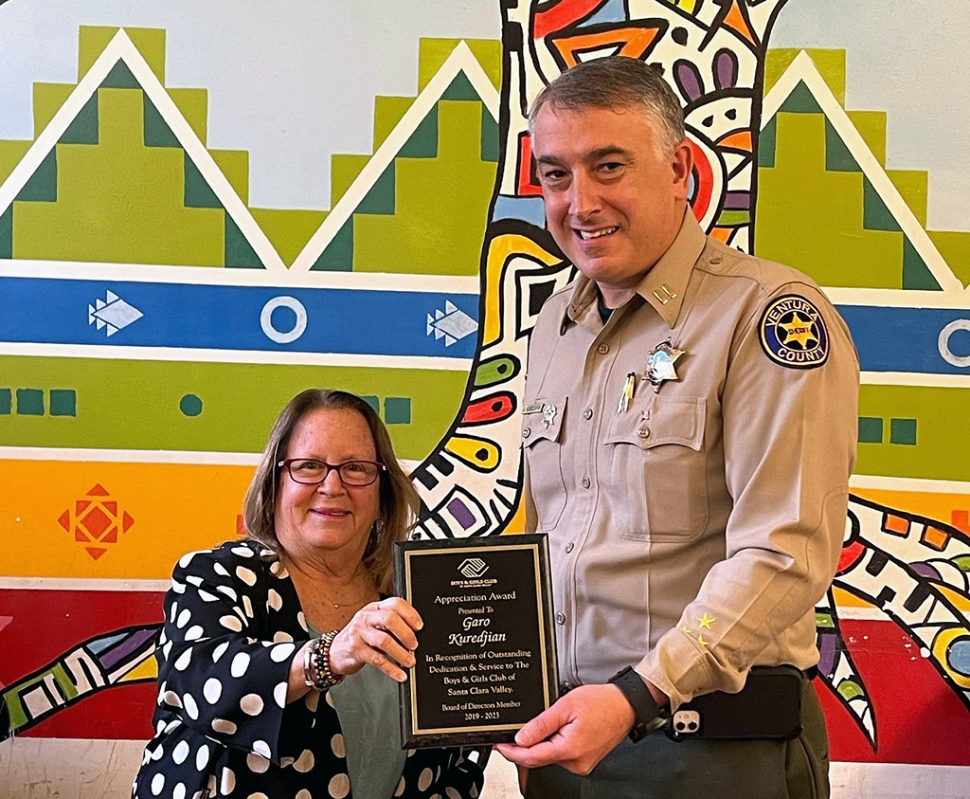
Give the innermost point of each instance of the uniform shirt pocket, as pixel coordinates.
(542, 446)
(658, 476)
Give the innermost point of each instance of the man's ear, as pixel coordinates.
(681, 163)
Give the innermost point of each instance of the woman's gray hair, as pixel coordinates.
(618, 83)
(399, 502)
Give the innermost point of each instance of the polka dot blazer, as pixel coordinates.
(222, 726)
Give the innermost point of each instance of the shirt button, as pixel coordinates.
(716, 259)
(602, 349)
(586, 482)
(526, 433)
(588, 414)
(560, 618)
(643, 432)
(569, 546)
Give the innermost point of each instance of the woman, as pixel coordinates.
(257, 632)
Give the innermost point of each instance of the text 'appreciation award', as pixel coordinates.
(486, 660)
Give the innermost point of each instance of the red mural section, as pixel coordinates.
(111, 629)
(906, 690)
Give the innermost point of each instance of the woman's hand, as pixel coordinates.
(381, 634)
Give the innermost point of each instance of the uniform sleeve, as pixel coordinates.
(790, 431)
(441, 772)
(213, 670)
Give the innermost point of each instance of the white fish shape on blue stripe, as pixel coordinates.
(113, 313)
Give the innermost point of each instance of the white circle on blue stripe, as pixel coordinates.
(280, 336)
(793, 333)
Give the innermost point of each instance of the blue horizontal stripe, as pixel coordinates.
(346, 321)
(906, 339)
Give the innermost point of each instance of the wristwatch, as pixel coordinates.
(650, 716)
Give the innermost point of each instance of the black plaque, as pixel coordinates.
(486, 657)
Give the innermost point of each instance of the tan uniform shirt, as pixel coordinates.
(693, 533)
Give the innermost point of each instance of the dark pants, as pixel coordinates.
(658, 768)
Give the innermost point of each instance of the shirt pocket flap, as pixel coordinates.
(542, 420)
(664, 421)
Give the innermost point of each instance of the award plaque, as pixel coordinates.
(486, 657)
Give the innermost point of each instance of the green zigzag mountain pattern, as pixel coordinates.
(118, 186)
(430, 206)
(818, 212)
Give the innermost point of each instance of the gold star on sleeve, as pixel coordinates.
(701, 641)
(706, 621)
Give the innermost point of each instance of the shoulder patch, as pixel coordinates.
(793, 333)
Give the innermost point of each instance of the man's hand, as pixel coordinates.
(577, 732)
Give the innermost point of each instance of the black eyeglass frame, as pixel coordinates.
(331, 467)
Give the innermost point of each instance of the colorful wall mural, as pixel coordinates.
(155, 320)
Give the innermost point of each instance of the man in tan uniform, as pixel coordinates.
(689, 429)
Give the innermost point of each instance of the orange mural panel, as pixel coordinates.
(114, 520)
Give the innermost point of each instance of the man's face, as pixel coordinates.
(613, 205)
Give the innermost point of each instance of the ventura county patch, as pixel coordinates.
(793, 333)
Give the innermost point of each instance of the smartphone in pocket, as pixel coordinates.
(768, 707)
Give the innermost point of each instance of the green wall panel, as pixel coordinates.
(136, 404)
(937, 453)
(120, 201)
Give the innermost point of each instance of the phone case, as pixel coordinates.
(769, 706)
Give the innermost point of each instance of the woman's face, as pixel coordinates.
(330, 518)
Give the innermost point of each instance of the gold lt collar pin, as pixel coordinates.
(660, 365)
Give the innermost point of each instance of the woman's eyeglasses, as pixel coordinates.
(308, 471)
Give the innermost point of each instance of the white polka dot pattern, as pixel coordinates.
(257, 763)
(212, 690)
(339, 786)
(248, 576)
(183, 660)
(304, 762)
(222, 693)
(240, 663)
(219, 651)
(180, 752)
(424, 779)
(251, 704)
(231, 623)
(228, 782)
(229, 592)
(279, 654)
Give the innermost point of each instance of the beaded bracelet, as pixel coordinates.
(317, 673)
